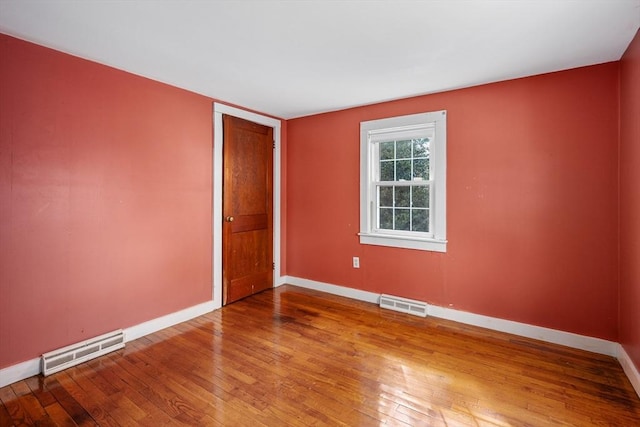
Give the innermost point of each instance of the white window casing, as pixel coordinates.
(372, 133)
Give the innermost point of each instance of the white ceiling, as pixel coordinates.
(296, 58)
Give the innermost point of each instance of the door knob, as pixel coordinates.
(229, 219)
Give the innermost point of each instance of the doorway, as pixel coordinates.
(247, 208)
(217, 218)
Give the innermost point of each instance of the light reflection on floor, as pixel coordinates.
(420, 394)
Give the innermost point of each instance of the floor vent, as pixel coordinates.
(75, 354)
(403, 305)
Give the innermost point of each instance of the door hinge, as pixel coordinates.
(273, 266)
(274, 145)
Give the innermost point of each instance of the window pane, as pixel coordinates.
(403, 150)
(420, 147)
(420, 197)
(403, 197)
(402, 219)
(420, 219)
(420, 167)
(386, 219)
(386, 150)
(386, 171)
(403, 170)
(386, 196)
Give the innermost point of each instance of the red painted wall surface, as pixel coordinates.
(630, 200)
(532, 203)
(105, 200)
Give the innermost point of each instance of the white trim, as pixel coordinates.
(29, 368)
(629, 368)
(568, 339)
(19, 372)
(342, 291)
(154, 325)
(218, 141)
(394, 241)
(216, 214)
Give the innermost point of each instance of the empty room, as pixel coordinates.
(320, 213)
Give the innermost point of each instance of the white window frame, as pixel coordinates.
(411, 126)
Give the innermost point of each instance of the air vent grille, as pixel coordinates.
(75, 354)
(403, 305)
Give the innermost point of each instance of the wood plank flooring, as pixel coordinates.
(294, 357)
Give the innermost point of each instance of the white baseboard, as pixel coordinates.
(146, 328)
(20, 371)
(342, 291)
(629, 368)
(568, 339)
(279, 281)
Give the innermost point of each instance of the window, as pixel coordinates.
(403, 181)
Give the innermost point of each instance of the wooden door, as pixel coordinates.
(247, 211)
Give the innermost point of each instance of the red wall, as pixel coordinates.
(630, 200)
(105, 200)
(532, 203)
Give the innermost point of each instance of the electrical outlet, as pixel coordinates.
(356, 262)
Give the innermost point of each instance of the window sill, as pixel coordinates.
(433, 245)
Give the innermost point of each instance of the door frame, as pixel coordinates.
(218, 143)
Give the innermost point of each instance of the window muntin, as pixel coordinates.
(403, 181)
(402, 185)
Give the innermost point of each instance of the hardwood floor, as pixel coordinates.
(294, 357)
